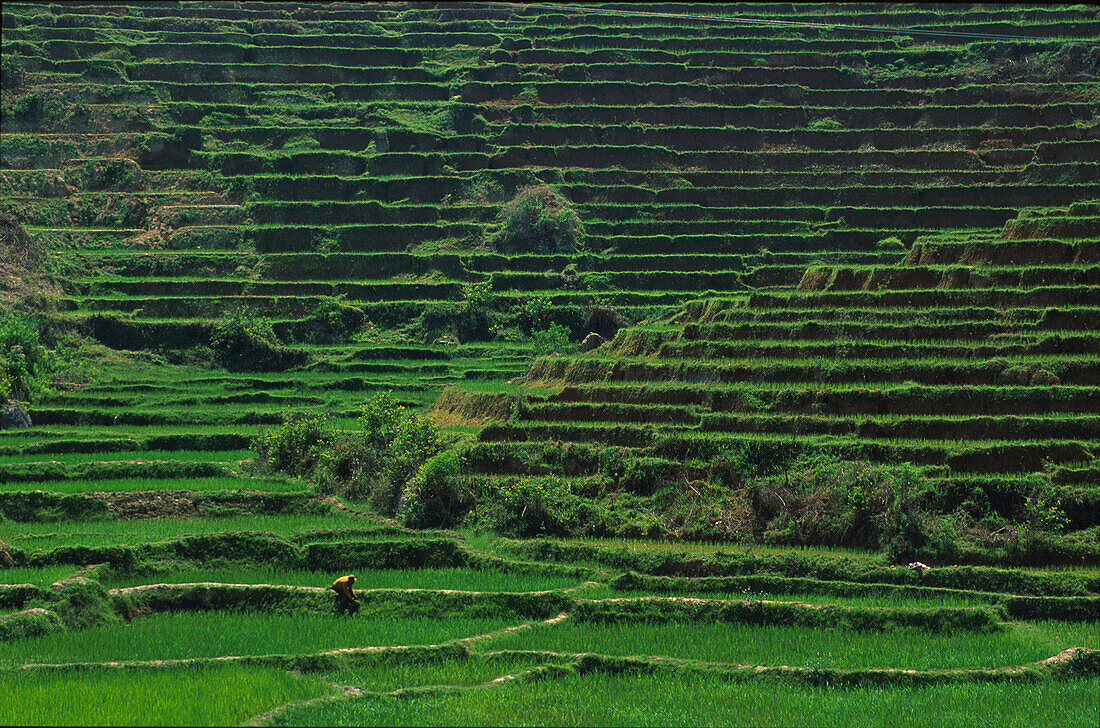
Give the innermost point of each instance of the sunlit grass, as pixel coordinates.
(134, 484)
(690, 700)
(388, 677)
(100, 533)
(227, 695)
(39, 576)
(213, 634)
(802, 646)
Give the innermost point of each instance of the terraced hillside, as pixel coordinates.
(965, 377)
(198, 158)
(847, 260)
(339, 170)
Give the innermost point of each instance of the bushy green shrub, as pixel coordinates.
(539, 220)
(477, 296)
(552, 340)
(296, 446)
(534, 506)
(375, 460)
(1042, 507)
(379, 418)
(12, 73)
(25, 365)
(41, 106)
(333, 322)
(245, 342)
(434, 498)
(534, 313)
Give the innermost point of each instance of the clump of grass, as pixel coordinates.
(539, 220)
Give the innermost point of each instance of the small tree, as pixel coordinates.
(245, 342)
(538, 220)
(552, 340)
(25, 364)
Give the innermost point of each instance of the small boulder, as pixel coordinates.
(592, 341)
(13, 416)
(1043, 378)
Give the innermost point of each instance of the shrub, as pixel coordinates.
(477, 296)
(374, 461)
(25, 364)
(12, 73)
(1041, 505)
(296, 446)
(538, 220)
(334, 322)
(37, 107)
(245, 342)
(534, 313)
(379, 417)
(533, 506)
(415, 439)
(552, 340)
(433, 498)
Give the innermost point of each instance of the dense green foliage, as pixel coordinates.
(375, 459)
(245, 342)
(25, 365)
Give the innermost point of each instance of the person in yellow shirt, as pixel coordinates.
(346, 601)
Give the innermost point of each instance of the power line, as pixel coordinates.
(748, 20)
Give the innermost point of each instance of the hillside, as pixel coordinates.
(647, 364)
(339, 169)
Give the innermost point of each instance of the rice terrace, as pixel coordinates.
(645, 364)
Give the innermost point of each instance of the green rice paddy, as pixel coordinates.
(185, 636)
(115, 485)
(216, 695)
(688, 700)
(801, 646)
(106, 533)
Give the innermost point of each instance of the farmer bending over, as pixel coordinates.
(345, 597)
